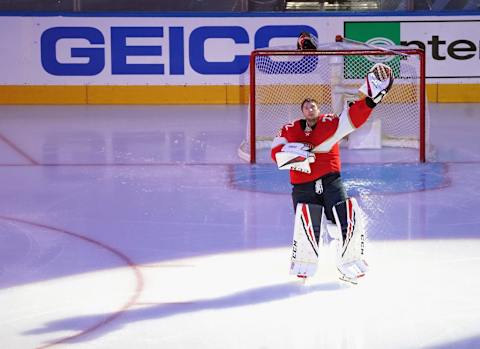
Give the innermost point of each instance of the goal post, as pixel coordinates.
(280, 79)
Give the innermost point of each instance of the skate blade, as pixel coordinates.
(352, 281)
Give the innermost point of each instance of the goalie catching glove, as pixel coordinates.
(378, 82)
(295, 156)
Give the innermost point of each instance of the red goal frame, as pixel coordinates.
(369, 52)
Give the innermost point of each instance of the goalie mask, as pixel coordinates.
(306, 41)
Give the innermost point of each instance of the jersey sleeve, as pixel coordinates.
(349, 120)
(359, 113)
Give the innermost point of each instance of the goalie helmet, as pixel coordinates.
(306, 41)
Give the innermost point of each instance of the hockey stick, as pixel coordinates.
(370, 46)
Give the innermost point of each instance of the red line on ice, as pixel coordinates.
(18, 150)
(126, 259)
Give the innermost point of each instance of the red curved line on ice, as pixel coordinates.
(126, 259)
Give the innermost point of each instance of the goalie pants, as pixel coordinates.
(332, 192)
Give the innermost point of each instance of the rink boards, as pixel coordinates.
(66, 58)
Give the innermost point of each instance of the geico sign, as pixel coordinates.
(94, 55)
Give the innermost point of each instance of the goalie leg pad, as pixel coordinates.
(306, 237)
(351, 248)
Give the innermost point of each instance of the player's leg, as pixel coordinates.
(333, 193)
(350, 232)
(304, 193)
(306, 236)
(308, 218)
(351, 250)
(310, 193)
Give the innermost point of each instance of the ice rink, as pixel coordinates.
(139, 227)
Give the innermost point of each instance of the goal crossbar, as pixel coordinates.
(344, 53)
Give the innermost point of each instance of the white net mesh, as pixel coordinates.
(332, 76)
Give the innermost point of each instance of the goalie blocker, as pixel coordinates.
(295, 156)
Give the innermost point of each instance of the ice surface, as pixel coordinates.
(138, 227)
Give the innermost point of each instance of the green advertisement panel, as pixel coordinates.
(373, 33)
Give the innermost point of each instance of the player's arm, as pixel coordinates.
(349, 120)
(377, 84)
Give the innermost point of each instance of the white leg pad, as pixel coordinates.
(303, 269)
(351, 251)
(305, 246)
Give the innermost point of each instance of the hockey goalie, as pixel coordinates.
(309, 149)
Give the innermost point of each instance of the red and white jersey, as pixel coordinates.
(324, 137)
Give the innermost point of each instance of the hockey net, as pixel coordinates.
(280, 79)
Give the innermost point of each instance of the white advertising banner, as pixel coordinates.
(196, 50)
(452, 47)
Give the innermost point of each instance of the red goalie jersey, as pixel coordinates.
(325, 134)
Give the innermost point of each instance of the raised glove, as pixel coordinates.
(378, 82)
